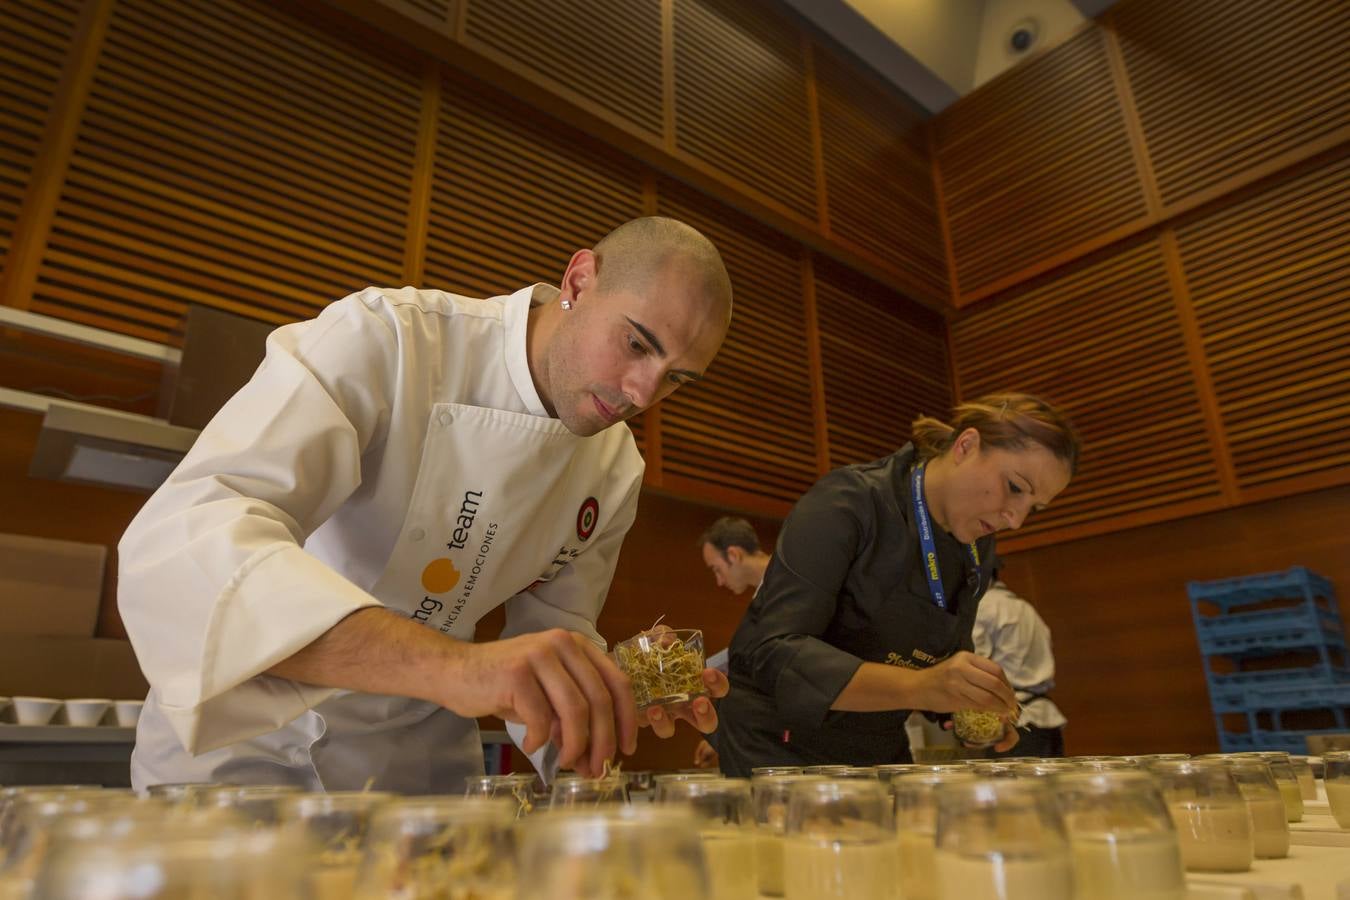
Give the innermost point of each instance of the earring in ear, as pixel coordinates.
(566, 304)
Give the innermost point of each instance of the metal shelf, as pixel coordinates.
(66, 734)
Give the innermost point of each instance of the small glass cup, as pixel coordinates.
(1113, 764)
(1270, 828)
(574, 790)
(1123, 843)
(260, 804)
(1286, 780)
(672, 777)
(187, 793)
(31, 818)
(840, 841)
(915, 796)
(1001, 839)
(726, 827)
(416, 846)
(10, 795)
(994, 768)
(769, 794)
(335, 827)
(1307, 782)
(1045, 769)
(664, 665)
(616, 852)
(1336, 780)
(776, 770)
(519, 786)
(1213, 825)
(165, 853)
(1144, 760)
(833, 770)
(639, 781)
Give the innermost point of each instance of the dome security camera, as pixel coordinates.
(1022, 36)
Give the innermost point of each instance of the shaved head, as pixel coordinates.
(640, 315)
(632, 255)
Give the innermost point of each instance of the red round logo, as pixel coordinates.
(587, 517)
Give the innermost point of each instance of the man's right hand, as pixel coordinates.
(557, 684)
(965, 681)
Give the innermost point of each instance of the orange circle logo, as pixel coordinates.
(440, 576)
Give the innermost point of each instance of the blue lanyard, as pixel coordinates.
(930, 560)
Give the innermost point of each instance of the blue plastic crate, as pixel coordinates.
(1233, 742)
(1302, 676)
(1295, 742)
(1239, 692)
(1246, 590)
(1270, 641)
(1306, 697)
(1267, 621)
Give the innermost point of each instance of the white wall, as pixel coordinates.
(941, 34)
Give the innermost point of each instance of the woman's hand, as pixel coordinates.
(965, 681)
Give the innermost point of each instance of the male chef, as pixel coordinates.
(303, 590)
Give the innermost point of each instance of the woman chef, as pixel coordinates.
(302, 592)
(867, 607)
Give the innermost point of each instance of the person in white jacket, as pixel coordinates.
(302, 591)
(1009, 631)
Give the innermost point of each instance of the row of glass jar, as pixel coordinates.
(841, 832)
(1115, 828)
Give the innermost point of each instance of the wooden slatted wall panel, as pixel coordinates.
(1223, 86)
(1270, 281)
(884, 362)
(440, 13)
(741, 97)
(749, 426)
(35, 38)
(878, 180)
(206, 172)
(501, 179)
(1035, 163)
(606, 52)
(1103, 341)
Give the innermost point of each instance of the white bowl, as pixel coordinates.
(128, 712)
(35, 710)
(86, 712)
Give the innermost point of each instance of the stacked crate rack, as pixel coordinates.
(1272, 644)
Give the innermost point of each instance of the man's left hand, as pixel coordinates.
(699, 712)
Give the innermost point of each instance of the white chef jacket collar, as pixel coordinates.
(515, 316)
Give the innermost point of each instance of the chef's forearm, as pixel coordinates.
(878, 688)
(376, 651)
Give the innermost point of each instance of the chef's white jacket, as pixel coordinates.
(392, 452)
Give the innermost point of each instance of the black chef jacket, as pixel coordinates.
(846, 585)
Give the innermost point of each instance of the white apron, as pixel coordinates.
(502, 501)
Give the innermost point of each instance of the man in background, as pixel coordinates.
(731, 551)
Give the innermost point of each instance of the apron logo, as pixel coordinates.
(587, 517)
(440, 576)
(468, 511)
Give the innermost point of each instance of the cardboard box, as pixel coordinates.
(66, 668)
(49, 587)
(221, 351)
